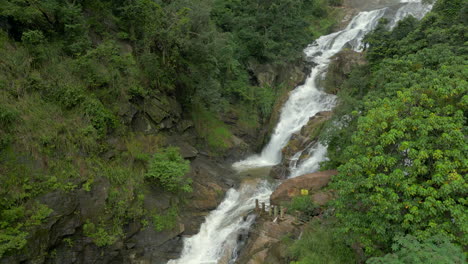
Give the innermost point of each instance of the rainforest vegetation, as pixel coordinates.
(399, 142)
(69, 69)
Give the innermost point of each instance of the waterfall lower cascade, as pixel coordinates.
(217, 240)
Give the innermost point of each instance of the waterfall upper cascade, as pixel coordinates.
(218, 236)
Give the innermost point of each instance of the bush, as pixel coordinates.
(101, 237)
(101, 118)
(320, 244)
(7, 116)
(408, 250)
(168, 168)
(304, 205)
(166, 221)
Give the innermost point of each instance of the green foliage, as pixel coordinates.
(215, 132)
(436, 250)
(320, 243)
(167, 220)
(100, 117)
(304, 205)
(68, 68)
(11, 239)
(101, 237)
(168, 169)
(8, 116)
(264, 30)
(16, 221)
(402, 151)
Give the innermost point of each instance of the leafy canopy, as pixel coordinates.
(401, 152)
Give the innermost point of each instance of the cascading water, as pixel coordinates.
(218, 237)
(307, 100)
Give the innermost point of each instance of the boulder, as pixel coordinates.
(205, 196)
(292, 187)
(265, 244)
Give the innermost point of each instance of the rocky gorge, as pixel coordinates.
(60, 238)
(83, 187)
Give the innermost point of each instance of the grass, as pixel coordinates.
(215, 133)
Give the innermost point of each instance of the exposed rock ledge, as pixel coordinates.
(312, 182)
(265, 245)
(265, 242)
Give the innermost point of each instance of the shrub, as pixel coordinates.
(408, 250)
(320, 244)
(101, 237)
(166, 221)
(7, 116)
(168, 168)
(101, 118)
(304, 205)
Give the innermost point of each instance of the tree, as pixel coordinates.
(435, 250)
(403, 166)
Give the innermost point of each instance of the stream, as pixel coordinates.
(218, 239)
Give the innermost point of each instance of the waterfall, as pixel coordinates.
(218, 236)
(307, 100)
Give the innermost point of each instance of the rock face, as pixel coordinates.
(265, 244)
(312, 182)
(62, 232)
(300, 141)
(153, 114)
(340, 68)
(280, 78)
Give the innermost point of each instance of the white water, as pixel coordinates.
(413, 8)
(219, 232)
(218, 236)
(307, 100)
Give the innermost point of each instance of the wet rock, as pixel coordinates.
(300, 141)
(279, 171)
(156, 199)
(292, 187)
(206, 196)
